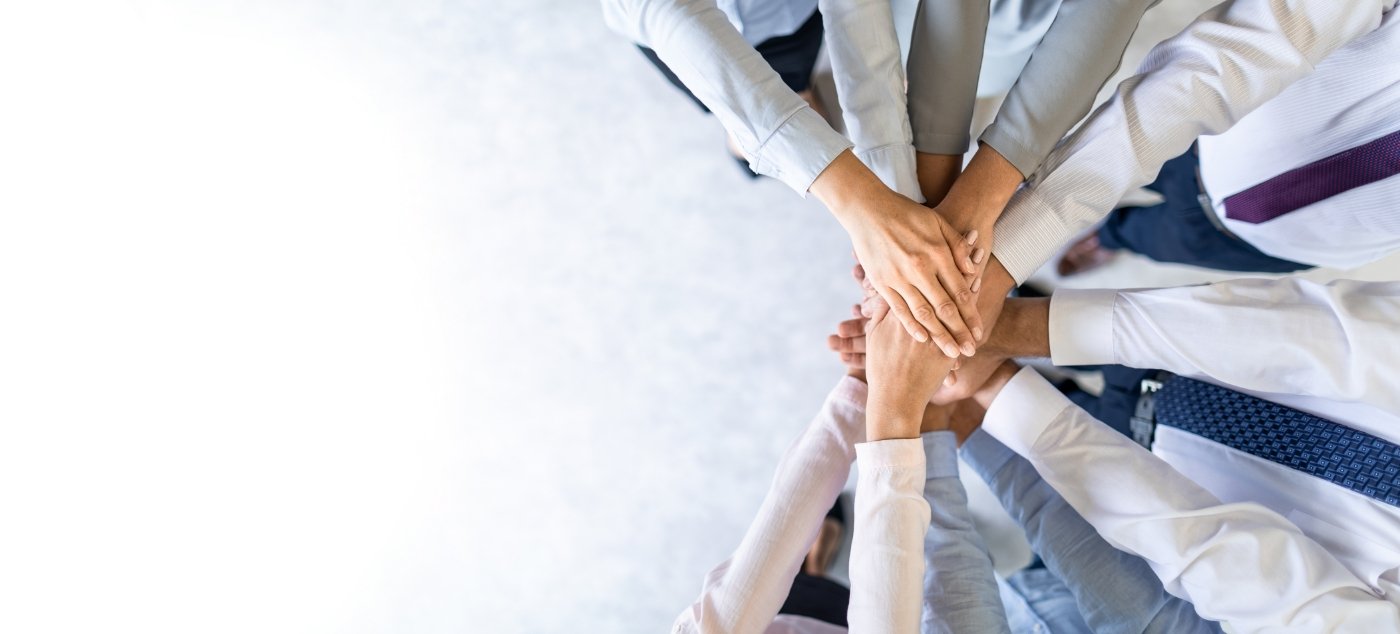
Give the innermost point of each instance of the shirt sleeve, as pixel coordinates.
(1114, 591)
(745, 592)
(782, 136)
(960, 588)
(891, 516)
(1240, 563)
(945, 59)
(1199, 82)
(1321, 340)
(865, 64)
(1082, 49)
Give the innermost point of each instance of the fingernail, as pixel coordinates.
(978, 255)
(951, 380)
(951, 351)
(977, 334)
(968, 350)
(972, 237)
(920, 337)
(976, 284)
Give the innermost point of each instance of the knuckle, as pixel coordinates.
(964, 295)
(947, 310)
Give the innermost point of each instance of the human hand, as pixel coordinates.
(914, 259)
(903, 374)
(849, 343)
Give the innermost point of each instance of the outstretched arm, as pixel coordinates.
(865, 64)
(918, 260)
(1240, 563)
(1115, 591)
(1216, 71)
(745, 592)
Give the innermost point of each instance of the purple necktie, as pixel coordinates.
(1319, 180)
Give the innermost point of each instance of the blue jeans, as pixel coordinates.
(1182, 230)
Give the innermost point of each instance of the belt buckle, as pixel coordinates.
(1144, 420)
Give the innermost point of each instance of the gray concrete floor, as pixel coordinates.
(624, 334)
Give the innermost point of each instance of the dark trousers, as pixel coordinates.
(792, 56)
(1182, 230)
(1115, 406)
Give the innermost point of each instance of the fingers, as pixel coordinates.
(899, 306)
(964, 252)
(968, 314)
(851, 328)
(948, 311)
(859, 273)
(874, 307)
(927, 316)
(854, 360)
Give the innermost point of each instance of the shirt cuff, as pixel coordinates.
(1081, 327)
(895, 165)
(850, 390)
(940, 455)
(1009, 147)
(1022, 411)
(985, 454)
(799, 150)
(895, 453)
(1028, 234)
(940, 142)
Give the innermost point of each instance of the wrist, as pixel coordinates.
(987, 394)
(982, 191)
(847, 187)
(936, 174)
(888, 418)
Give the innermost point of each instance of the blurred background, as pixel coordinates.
(413, 316)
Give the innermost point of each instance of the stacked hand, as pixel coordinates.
(953, 404)
(915, 260)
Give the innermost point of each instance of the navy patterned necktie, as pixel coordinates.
(1339, 454)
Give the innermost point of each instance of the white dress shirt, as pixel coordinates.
(1353, 97)
(1236, 562)
(744, 593)
(1329, 350)
(783, 137)
(1200, 82)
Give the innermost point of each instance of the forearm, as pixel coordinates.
(1199, 82)
(1328, 340)
(745, 592)
(960, 590)
(865, 62)
(890, 520)
(1115, 591)
(781, 134)
(1082, 49)
(945, 59)
(1022, 330)
(978, 197)
(1234, 562)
